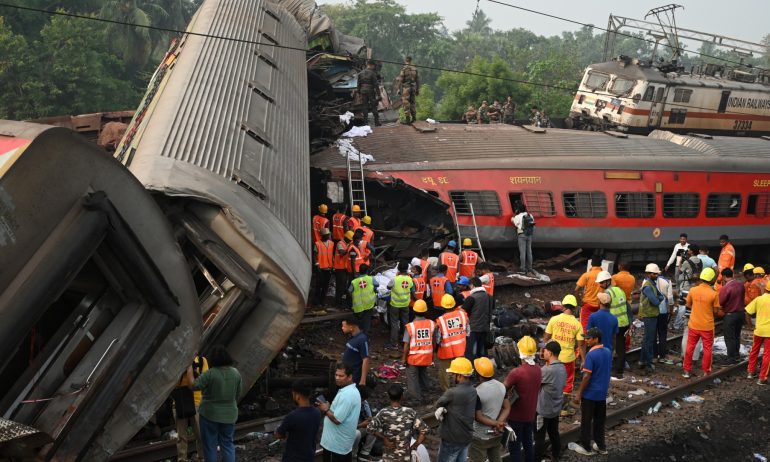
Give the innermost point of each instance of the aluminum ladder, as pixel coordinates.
(356, 187)
(475, 230)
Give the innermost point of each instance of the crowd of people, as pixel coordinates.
(503, 113)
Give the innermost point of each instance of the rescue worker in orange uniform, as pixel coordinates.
(449, 258)
(324, 265)
(424, 263)
(440, 285)
(468, 260)
(726, 256)
(420, 284)
(487, 278)
(418, 351)
(749, 289)
(451, 335)
(368, 236)
(591, 290)
(320, 222)
(341, 267)
(760, 281)
(358, 252)
(338, 225)
(354, 221)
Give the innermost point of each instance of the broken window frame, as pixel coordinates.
(584, 204)
(758, 205)
(719, 205)
(485, 202)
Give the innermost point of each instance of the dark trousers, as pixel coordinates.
(660, 344)
(340, 286)
(329, 456)
(365, 318)
(592, 417)
(476, 345)
(648, 342)
(323, 276)
(550, 426)
(523, 431)
(731, 326)
(416, 382)
(620, 350)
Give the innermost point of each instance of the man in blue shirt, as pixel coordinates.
(605, 321)
(356, 352)
(341, 418)
(592, 394)
(708, 262)
(300, 426)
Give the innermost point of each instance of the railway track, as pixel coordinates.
(167, 448)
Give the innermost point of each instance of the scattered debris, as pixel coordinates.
(695, 399)
(676, 405)
(633, 421)
(637, 392)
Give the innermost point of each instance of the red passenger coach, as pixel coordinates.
(587, 189)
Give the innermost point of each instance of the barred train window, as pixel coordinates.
(634, 205)
(681, 205)
(677, 116)
(758, 205)
(585, 204)
(723, 205)
(484, 202)
(540, 203)
(682, 95)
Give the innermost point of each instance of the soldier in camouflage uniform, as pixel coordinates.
(368, 86)
(495, 112)
(471, 116)
(484, 113)
(509, 111)
(396, 426)
(409, 87)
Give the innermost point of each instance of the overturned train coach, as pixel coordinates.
(116, 271)
(585, 189)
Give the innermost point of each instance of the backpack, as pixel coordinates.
(528, 224)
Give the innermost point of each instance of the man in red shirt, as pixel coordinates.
(525, 382)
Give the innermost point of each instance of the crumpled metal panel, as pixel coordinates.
(726, 146)
(237, 110)
(10, 430)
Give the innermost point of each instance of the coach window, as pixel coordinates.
(649, 93)
(682, 95)
(481, 202)
(723, 205)
(634, 205)
(596, 80)
(539, 203)
(681, 205)
(677, 116)
(758, 205)
(585, 204)
(621, 86)
(659, 94)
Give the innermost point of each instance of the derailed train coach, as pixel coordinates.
(114, 276)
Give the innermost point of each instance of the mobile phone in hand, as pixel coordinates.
(321, 398)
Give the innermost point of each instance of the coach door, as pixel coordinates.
(657, 107)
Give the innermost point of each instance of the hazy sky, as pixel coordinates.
(741, 19)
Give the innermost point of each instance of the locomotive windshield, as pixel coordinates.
(622, 86)
(597, 80)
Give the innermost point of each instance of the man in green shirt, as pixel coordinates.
(401, 291)
(363, 290)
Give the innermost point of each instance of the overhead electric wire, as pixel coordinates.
(623, 34)
(385, 61)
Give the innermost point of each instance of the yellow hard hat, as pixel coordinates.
(447, 301)
(349, 235)
(527, 346)
(460, 366)
(355, 208)
(323, 208)
(467, 243)
(759, 270)
(484, 367)
(569, 300)
(748, 266)
(708, 274)
(367, 220)
(420, 306)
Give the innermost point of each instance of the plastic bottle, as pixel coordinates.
(676, 405)
(572, 446)
(657, 407)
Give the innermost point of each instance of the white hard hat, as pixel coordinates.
(603, 276)
(415, 262)
(652, 268)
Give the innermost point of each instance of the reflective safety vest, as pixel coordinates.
(420, 342)
(319, 222)
(647, 309)
(364, 296)
(368, 234)
(364, 252)
(401, 292)
(468, 263)
(437, 289)
(419, 288)
(352, 247)
(490, 286)
(451, 261)
(618, 305)
(424, 265)
(338, 226)
(354, 223)
(453, 327)
(341, 258)
(324, 254)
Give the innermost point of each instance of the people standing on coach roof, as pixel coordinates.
(341, 418)
(221, 386)
(678, 255)
(649, 302)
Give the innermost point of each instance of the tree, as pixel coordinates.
(134, 44)
(426, 103)
(16, 85)
(483, 80)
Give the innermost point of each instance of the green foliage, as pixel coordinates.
(473, 87)
(18, 89)
(426, 103)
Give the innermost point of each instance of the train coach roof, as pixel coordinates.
(462, 147)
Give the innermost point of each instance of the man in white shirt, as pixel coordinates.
(677, 256)
(524, 224)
